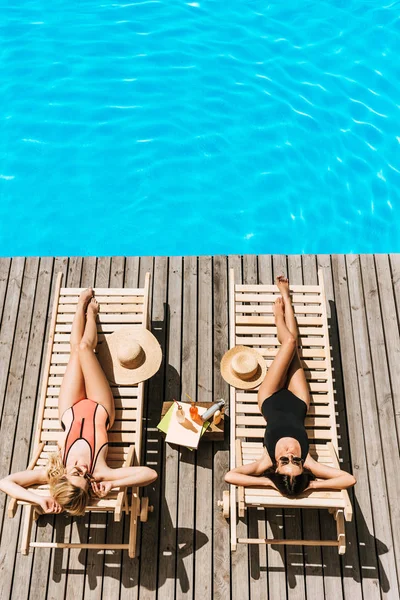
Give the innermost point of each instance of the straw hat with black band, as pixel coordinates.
(243, 367)
(129, 355)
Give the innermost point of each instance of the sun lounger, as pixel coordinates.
(118, 308)
(251, 323)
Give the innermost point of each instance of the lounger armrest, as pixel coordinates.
(13, 504)
(122, 494)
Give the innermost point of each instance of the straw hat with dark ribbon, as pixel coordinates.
(130, 355)
(243, 367)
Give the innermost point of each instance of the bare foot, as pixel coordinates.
(279, 307)
(85, 296)
(283, 285)
(93, 307)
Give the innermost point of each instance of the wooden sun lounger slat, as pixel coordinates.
(284, 502)
(110, 299)
(306, 342)
(271, 331)
(50, 436)
(263, 288)
(120, 402)
(270, 298)
(126, 414)
(271, 493)
(102, 291)
(304, 353)
(125, 425)
(318, 398)
(66, 309)
(250, 420)
(312, 321)
(254, 432)
(251, 408)
(125, 318)
(299, 309)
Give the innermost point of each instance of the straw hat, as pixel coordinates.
(243, 367)
(130, 355)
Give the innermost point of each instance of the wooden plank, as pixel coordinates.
(130, 566)
(377, 406)
(59, 559)
(102, 264)
(12, 401)
(331, 561)
(115, 529)
(313, 321)
(295, 572)
(279, 259)
(257, 555)
(9, 319)
(365, 566)
(221, 541)
(97, 521)
(5, 265)
(38, 562)
(185, 537)
(240, 584)
(310, 518)
(23, 427)
(203, 572)
(269, 299)
(391, 329)
(170, 474)
(153, 450)
(275, 517)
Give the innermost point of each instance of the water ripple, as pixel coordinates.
(203, 118)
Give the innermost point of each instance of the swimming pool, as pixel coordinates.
(207, 127)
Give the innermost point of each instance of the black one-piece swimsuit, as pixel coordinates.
(285, 414)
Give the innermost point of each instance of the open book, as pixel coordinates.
(189, 432)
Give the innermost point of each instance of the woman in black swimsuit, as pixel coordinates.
(283, 399)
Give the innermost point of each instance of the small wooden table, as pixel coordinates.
(213, 433)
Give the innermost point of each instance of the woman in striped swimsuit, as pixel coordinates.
(86, 412)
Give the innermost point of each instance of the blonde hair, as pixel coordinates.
(72, 498)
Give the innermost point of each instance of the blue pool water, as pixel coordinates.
(172, 127)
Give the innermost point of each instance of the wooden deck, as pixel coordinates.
(185, 545)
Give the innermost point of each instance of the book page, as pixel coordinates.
(188, 433)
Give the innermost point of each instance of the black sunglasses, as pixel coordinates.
(296, 460)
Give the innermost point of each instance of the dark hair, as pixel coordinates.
(290, 485)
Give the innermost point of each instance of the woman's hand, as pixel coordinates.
(49, 505)
(101, 488)
(312, 485)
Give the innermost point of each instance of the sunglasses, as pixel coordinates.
(296, 460)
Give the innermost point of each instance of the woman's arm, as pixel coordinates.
(332, 479)
(109, 478)
(249, 475)
(14, 485)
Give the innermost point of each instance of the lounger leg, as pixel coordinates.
(133, 525)
(341, 534)
(233, 516)
(27, 528)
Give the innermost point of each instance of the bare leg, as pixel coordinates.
(90, 333)
(73, 385)
(96, 383)
(277, 372)
(79, 322)
(290, 319)
(296, 378)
